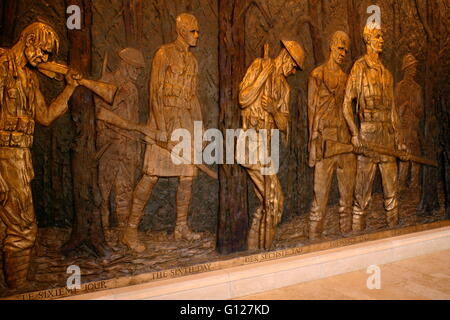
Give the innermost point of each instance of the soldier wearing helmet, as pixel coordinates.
(408, 98)
(264, 98)
(119, 162)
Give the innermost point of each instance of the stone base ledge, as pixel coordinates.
(258, 277)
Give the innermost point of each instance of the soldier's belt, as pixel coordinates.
(19, 125)
(15, 140)
(376, 116)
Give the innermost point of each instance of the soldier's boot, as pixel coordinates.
(358, 222)
(345, 222)
(254, 233)
(392, 217)
(16, 266)
(315, 229)
(130, 236)
(184, 192)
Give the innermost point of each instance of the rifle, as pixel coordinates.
(149, 136)
(104, 90)
(333, 148)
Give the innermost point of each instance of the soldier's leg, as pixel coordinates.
(184, 196)
(21, 230)
(403, 174)
(365, 174)
(141, 195)
(123, 193)
(389, 179)
(346, 177)
(415, 167)
(273, 208)
(106, 177)
(323, 175)
(254, 233)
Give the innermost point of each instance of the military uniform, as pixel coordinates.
(18, 90)
(326, 122)
(118, 165)
(254, 116)
(408, 98)
(173, 105)
(372, 85)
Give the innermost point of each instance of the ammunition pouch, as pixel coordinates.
(17, 132)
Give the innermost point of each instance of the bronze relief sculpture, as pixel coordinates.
(121, 153)
(173, 104)
(21, 105)
(264, 98)
(371, 84)
(326, 89)
(408, 98)
(348, 123)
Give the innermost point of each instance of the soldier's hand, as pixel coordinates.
(405, 156)
(3, 192)
(267, 103)
(161, 136)
(356, 142)
(73, 77)
(144, 129)
(267, 66)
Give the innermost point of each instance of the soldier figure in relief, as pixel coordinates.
(326, 90)
(264, 97)
(174, 104)
(21, 105)
(408, 98)
(119, 162)
(371, 84)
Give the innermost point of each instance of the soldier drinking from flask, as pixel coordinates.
(264, 98)
(326, 89)
(174, 105)
(371, 85)
(21, 105)
(119, 162)
(408, 98)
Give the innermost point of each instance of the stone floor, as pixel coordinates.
(48, 269)
(424, 277)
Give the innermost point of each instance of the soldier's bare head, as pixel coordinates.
(373, 38)
(39, 40)
(188, 29)
(339, 46)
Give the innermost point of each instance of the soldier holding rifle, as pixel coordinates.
(21, 105)
(326, 89)
(371, 84)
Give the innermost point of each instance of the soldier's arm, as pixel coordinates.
(156, 85)
(313, 89)
(196, 111)
(3, 186)
(45, 115)
(420, 107)
(351, 93)
(281, 116)
(250, 87)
